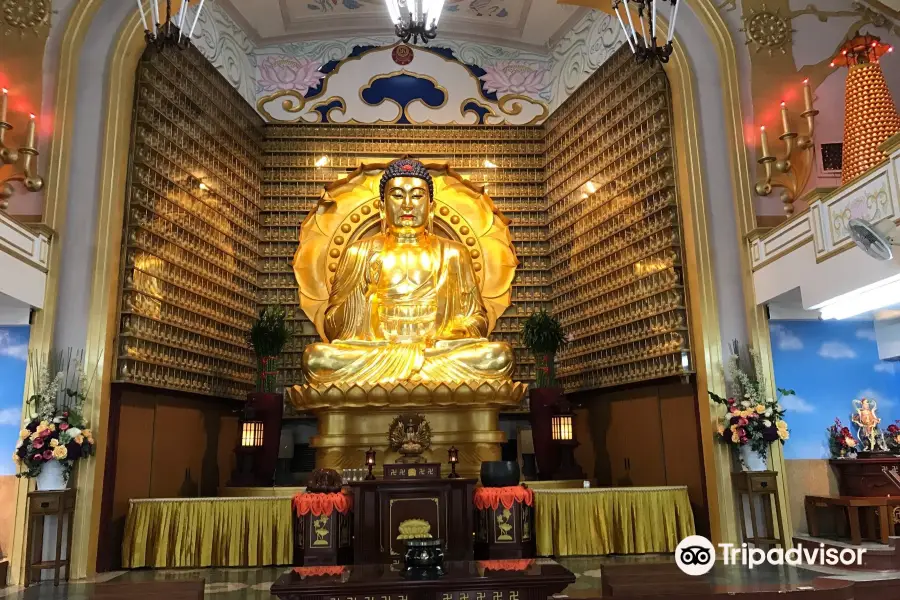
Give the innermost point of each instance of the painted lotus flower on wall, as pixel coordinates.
(282, 72)
(512, 77)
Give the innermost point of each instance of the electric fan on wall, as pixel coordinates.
(875, 240)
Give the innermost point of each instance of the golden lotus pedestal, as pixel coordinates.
(354, 418)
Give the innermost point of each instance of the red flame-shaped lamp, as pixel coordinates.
(453, 458)
(370, 463)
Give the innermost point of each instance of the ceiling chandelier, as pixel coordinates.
(415, 19)
(167, 33)
(644, 46)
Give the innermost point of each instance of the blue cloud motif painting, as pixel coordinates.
(829, 364)
(403, 89)
(13, 357)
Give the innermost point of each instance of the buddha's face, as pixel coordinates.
(407, 205)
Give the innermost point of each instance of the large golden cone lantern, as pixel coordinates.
(870, 115)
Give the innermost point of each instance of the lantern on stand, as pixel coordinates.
(370, 463)
(563, 430)
(252, 430)
(453, 458)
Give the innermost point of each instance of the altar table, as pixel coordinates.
(208, 532)
(596, 521)
(463, 580)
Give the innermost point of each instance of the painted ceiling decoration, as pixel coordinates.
(402, 84)
(527, 24)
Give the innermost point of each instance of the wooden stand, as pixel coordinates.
(882, 506)
(381, 506)
(762, 485)
(59, 504)
(323, 540)
(502, 533)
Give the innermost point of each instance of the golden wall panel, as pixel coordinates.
(292, 184)
(590, 195)
(189, 281)
(615, 231)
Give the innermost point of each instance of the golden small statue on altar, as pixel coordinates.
(404, 274)
(866, 422)
(410, 436)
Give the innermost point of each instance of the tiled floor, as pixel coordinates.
(254, 584)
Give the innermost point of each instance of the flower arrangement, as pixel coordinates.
(753, 416)
(267, 338)
(542, 333)
(841, 442)
(55, 429)
(892, 437)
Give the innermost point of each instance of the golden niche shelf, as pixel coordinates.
(190, 256)
(615, 230)
(292, 184)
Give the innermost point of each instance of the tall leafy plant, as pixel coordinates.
(267, 338)
(543, 334)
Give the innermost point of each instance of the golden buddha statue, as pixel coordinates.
(404, 285)
(405, 305)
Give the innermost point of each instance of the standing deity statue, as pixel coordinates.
(866, 422)
(405, 305)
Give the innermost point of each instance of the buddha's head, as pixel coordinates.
(406, 198)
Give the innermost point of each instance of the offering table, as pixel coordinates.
(382, 510)
(463, 580)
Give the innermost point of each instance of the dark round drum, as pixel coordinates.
(499, 473)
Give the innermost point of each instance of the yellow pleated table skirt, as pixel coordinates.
(598, 521)
(208, 532)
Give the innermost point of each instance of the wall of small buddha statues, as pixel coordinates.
(214, 204)
(216, 200)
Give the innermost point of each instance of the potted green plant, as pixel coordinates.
(267, 338)
(543, 335)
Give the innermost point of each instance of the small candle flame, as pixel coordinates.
(5, 91)
(805, 81)
(763, 128)
(32, 116)
(783, 104)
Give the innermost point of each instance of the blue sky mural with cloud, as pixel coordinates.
(829, 364)
(13, 357)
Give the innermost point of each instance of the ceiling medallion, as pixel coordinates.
(160, 34)
(767, 29)
(415, 19)
(24, 15)
(402, 55)
(644, 46)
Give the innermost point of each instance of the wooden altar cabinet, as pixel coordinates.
(868, 477)
(381, 506)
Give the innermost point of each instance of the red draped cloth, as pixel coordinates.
(320, 504)
(521, 564)
(494, 497)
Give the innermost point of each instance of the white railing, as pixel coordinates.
(24, 256)
(813, 250)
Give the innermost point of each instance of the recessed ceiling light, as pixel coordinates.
(322, 161)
